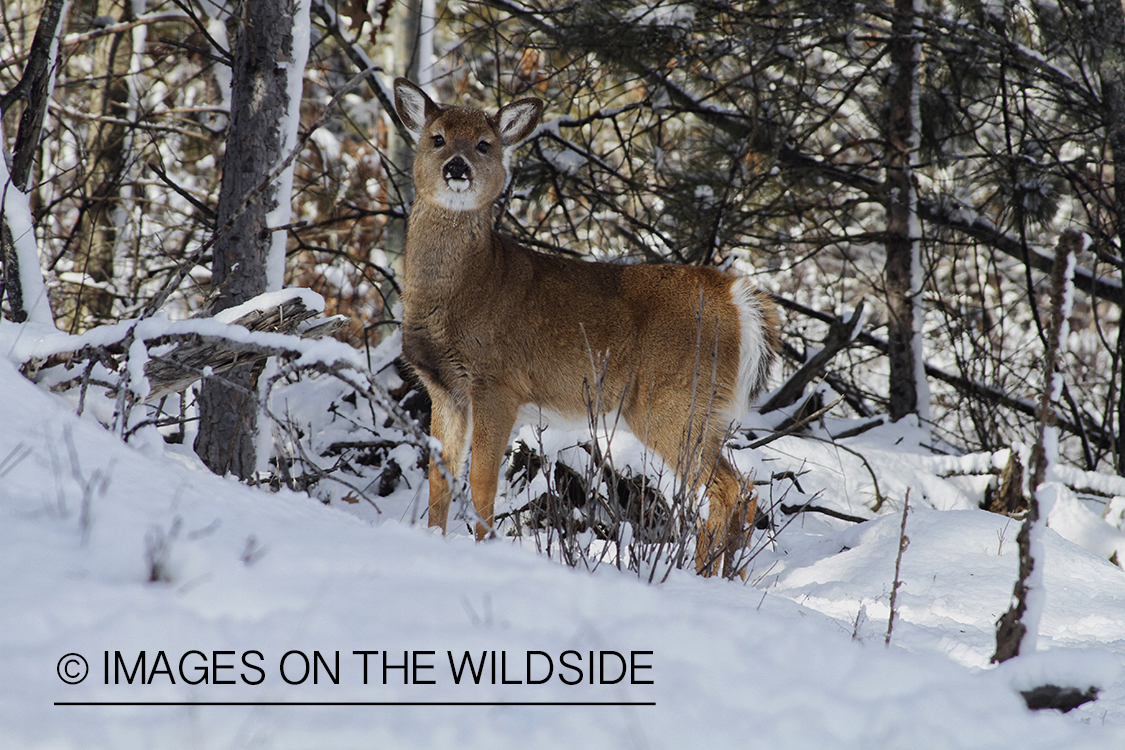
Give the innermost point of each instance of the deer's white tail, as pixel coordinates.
(757, 346)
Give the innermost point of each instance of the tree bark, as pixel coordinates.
(1018, 628)
(902, 270)
(34, 89)
(263, 51)
(1109, 52)
(106, 163)
(413, 49)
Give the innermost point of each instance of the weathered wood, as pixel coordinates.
(1011, 628)
(173, 371)
(1009, 499)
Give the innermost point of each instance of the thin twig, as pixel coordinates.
(797, 426)
(791, 510)
(903, 542)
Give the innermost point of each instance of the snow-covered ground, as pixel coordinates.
(252, 584)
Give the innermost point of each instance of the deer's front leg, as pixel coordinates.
(449, 423)
(494, 415)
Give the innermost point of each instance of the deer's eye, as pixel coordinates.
(439, 141)
(483, 147)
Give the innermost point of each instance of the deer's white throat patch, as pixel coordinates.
(458, 195)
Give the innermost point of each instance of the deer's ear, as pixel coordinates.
(518, 119)
(414, 107)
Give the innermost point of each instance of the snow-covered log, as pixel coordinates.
(177, 354)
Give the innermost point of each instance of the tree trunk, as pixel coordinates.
(22, 279)
(903, 271)
(260, 106)
(414, 52)
(1109, 52)
(106, 164)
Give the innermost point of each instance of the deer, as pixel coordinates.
(491, 327)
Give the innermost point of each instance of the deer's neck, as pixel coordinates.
(434, 229)
(441, 243)
(447, 253)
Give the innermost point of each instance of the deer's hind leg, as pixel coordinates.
(726, 532)
(696, 456)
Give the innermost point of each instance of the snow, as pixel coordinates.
(25, 343)
(271, 300)
(250, 584)
(283, 212)
(17, 213)
(1036, 597)
(565, 161)
(917, 269)
(660, 14)
(424, 53)
(1047, 494)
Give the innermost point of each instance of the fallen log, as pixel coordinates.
(174, 359)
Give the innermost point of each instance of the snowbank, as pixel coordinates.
(249, 585)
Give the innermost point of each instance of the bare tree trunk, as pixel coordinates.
(34, 89)
(106, 164)
(263, 52)
(1109, 52)
(413, 49)
(903, 272)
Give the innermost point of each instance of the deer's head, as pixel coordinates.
(462, 155)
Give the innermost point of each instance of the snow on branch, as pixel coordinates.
(23, 279)
(158, 357)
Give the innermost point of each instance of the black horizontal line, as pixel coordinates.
(355, 703)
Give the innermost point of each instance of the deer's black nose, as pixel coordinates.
(456, 169)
